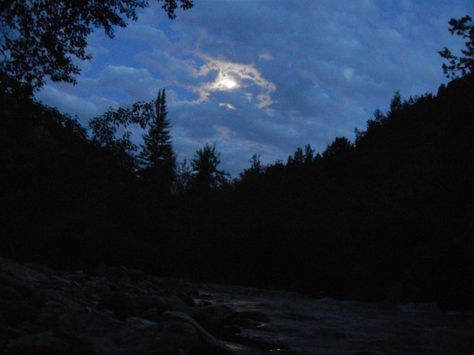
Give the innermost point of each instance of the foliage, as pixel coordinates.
(464, 64)
(41, 39)
(106, 127)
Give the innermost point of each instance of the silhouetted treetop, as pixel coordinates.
(464, 64)
(205, 169)
(339, 148)
(256, 168)
(40, 38)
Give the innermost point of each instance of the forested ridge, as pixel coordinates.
(388, 217)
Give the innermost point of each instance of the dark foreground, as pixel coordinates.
(125, 311)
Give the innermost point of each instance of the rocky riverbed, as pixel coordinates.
(116, 310)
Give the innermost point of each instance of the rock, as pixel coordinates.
(23, 279)
(41, 343)
(112, 273)
(119, 312)
(77, 276)
(120, 303)
(153, 314)
(247, 319)
(174, 335)
(90, 331)
(209, 344)
(98, 333)
(204, 296)
(218, 312)
(139, 323)
(187, 299)
(136, 275)
(86, 320)
(213, 318)
(251, 315)
(146, 302)
(52, 304)
(200, 303)
(174, 301)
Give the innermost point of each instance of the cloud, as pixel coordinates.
(73, 104)
(131, 83)
(227, 105)
(232, 76)
(265, 56)
(268, 76)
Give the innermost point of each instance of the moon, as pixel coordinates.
(228, 83)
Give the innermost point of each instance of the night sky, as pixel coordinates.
(266, 76)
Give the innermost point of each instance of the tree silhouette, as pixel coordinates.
(205, 166)
(104, 135)
(297, 158)
(464, 64)
(338, 149)
(308, 154)
(157, 155)
(255, 169)
(396, 104)
(183, 179)
(41, 38)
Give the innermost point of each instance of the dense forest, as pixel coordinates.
(388, 217)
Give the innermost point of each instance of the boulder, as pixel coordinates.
(209, 344)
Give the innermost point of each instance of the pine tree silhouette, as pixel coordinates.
(157, 156)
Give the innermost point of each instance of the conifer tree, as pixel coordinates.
(157, 156)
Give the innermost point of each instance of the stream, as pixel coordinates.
(301, 325)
